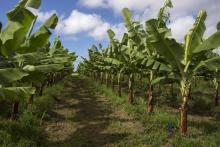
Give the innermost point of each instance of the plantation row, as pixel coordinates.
(151, 52)
(28, 62)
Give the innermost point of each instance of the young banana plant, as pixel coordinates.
(187, 58)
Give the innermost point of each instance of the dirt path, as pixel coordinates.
(83, 118)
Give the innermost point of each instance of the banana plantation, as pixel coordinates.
(145, 89)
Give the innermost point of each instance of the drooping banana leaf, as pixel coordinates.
(44, 68)
(211, 64)
(166, 47)
(34, 77)
(211, 43)
(40, 38)
(16, 30)
(37, 41)
(16, 93)
(28, 58)
(157, 80)
(9, 75)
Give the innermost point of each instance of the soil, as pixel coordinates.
(84, 118)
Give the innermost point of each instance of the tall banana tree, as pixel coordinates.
(20, 20)
(23, 54)
(147, 58)
(187, 58)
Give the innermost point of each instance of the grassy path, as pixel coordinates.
(84, 118)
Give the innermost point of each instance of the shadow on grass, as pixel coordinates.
(92, 116)
(12, 132)
(207, 127)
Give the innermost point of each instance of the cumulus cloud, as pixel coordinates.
(182, 15)
(79, 22)
(93, 25)
(90, 24)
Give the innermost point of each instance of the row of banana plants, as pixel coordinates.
(28, 63)
(149, 50)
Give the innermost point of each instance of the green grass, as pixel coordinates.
(202, 131)
(27, 131)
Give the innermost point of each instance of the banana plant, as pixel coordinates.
(147, 58)
(23, 54)
(20, 20)
(185, 59)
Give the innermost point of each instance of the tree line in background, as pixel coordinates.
(28, 62)
(150, 51)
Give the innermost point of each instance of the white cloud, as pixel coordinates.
(182, 17)
(118, 5)
(99, 32)
(181, 26)
(90, 24)
(92, 3)
(119, 30)
(42, 16)
(182, 14)
(79, 22)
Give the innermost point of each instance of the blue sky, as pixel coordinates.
(84, 22)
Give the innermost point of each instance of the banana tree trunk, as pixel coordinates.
(14, 111)
(183, 116)
(30, 102)
(195, 82)
(106, 79)
(216, 93)
(150, 107)
(119, 84)
(131, 89)
(112, 82)
(185, 90)
(42, 85)
(101, 78)
(171, 90)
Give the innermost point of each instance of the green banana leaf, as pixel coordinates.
(157, 80)
(40, 38)
(211, 43)
(51, 22)
(166, 47)
(34, 77)
(195, 36)
(127, 15)
(212, 64)
(16, 30)
(13, 94)
(10, 75)
(218, 26)
(56, 45)
(33, 3)
(29, 58)
(44, 68)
